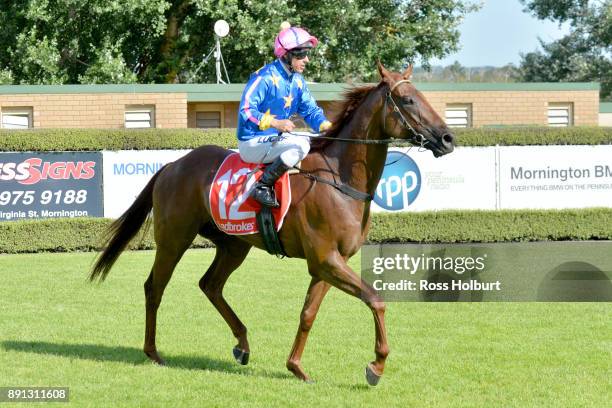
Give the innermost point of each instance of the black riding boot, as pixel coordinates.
(263, 191)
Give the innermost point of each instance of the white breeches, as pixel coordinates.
(265, 149)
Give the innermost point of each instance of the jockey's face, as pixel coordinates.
(299, 59)
(299, 65)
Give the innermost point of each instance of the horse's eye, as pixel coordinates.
(406, 100)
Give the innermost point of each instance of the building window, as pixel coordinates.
(207, 120)
(139, 117)
(560, 114)
(16, 118)
(459, 115)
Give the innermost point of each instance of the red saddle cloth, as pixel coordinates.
(232, 208)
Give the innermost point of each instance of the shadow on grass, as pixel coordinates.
(355, 387)
(131, 355)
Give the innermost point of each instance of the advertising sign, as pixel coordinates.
(127, 172)
(415, 180)
(479, 178)
(50, 185)
(555, 176)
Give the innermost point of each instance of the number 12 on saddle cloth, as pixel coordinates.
(232, 209)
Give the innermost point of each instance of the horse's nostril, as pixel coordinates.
(448, 139)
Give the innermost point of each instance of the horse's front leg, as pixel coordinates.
(334, 270)
(314, 297)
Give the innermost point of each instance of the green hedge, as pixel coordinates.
(40, 140)
(529, 135)
(493, 226)
(151, 139)
(85, 234)
(66, 235)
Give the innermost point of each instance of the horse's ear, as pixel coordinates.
(384, 74)
(407, 73)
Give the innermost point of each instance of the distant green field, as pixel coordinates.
(56, 329)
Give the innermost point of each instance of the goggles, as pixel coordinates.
(300, 53)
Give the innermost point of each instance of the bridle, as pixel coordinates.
(417, 138)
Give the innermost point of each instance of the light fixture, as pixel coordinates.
(221, 28)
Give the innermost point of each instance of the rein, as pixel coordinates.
(343, 188)
(422, 142)
(416, 139)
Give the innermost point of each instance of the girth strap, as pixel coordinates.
(267, 229)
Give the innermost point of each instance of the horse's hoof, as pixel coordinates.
(155, 358)
(371, 375)
(241, 356)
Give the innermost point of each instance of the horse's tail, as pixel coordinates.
(123, 229)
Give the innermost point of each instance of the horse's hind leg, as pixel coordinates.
(168, 254)
(230, 254)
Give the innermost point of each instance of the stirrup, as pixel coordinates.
(295, 169)
(265, 196)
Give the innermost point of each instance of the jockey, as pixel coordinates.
(272, 95)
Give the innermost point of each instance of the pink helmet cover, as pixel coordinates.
(291, 38)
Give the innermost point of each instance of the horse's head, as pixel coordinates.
(408, 115)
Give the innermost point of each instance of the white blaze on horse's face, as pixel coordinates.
(410, 116)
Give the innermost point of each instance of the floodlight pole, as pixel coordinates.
(219, 61)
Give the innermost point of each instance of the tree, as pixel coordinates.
(357, 33)
(77, 41)
(163, 41)
(458, 73)
(455, 72)
(583, 54)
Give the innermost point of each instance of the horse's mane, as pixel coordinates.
(345, 111)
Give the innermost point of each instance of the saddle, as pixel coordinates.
(236, 213)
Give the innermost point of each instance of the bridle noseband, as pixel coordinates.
(416, 137)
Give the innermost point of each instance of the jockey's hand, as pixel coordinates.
(284, 125)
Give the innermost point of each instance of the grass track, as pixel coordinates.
(56, 329)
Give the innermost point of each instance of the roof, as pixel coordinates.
(321, 91)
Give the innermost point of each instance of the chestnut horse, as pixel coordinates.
(323, 226)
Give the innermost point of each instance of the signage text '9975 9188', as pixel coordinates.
(50, 185)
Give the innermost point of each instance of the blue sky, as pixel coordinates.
(498, 32)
